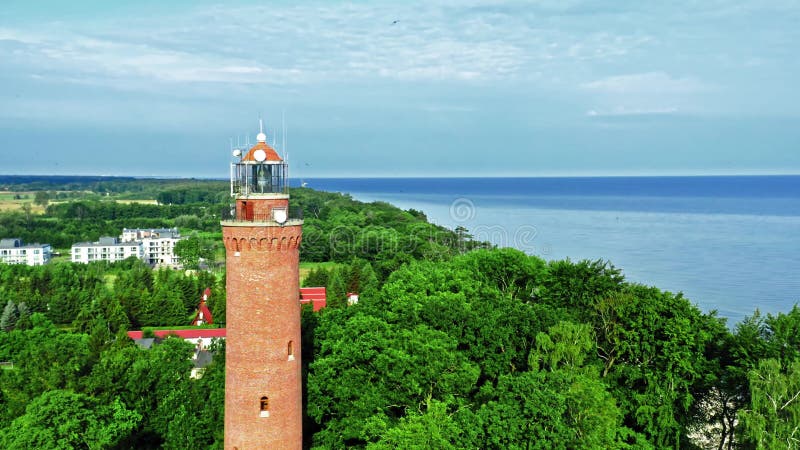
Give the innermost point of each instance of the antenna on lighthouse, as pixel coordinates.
(261, 136)
(283, 134)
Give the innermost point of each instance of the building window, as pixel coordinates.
(264, 406)
(290, 350)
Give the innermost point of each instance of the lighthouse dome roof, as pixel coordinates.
(254, 155)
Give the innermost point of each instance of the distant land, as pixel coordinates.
(58, 178)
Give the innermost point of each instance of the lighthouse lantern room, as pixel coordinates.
(259, 184)
(259, 171)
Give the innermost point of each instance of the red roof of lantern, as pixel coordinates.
(272, 155)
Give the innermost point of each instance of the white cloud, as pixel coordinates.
(306, 43)
(241, 69)
(75, 54)
(623, 111)
(648, 82)
(432, 108)
(548, 48)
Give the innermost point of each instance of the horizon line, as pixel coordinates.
(652, 175)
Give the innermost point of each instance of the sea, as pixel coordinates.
(730, 244)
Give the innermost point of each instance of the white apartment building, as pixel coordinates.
(158, 245)
(12, 251)
(137, 234)
(106, 249)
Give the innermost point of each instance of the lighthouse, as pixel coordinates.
(263, 385)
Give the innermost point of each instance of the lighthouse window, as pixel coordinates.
(264, 406)
(262, 174)
(290, 351)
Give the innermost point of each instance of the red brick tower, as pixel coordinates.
(263, 386)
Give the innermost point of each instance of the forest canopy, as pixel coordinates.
(453, 343)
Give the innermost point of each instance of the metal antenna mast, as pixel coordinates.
(283, 133)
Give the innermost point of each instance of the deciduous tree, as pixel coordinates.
(62, 419)
(772, 420)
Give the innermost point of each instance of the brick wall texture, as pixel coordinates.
(263, 327)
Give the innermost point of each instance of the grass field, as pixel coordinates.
(9, 203)
(65, 257)
(306, 267)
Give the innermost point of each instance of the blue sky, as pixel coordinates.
(463, 88)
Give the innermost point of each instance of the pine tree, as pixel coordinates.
(24, 321)
(317, 277)
(83, 320)
(115, 314)
(216, 302)
(9, 317)
(188, 291)
(100, 338)
(36, 302)
(217, 305)
(174, 313)
(336, 290)
(353, 274)
(369, 284)
(165, 307)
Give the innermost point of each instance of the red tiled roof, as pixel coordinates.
(197, 333)
(272, 155)
(315, 295)
(311, 293)
(207, 317)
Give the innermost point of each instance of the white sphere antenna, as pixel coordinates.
(261, 137)
(259, 155)
(279, 215)
(237, 153)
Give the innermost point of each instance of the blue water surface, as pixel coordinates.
(730, 243)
